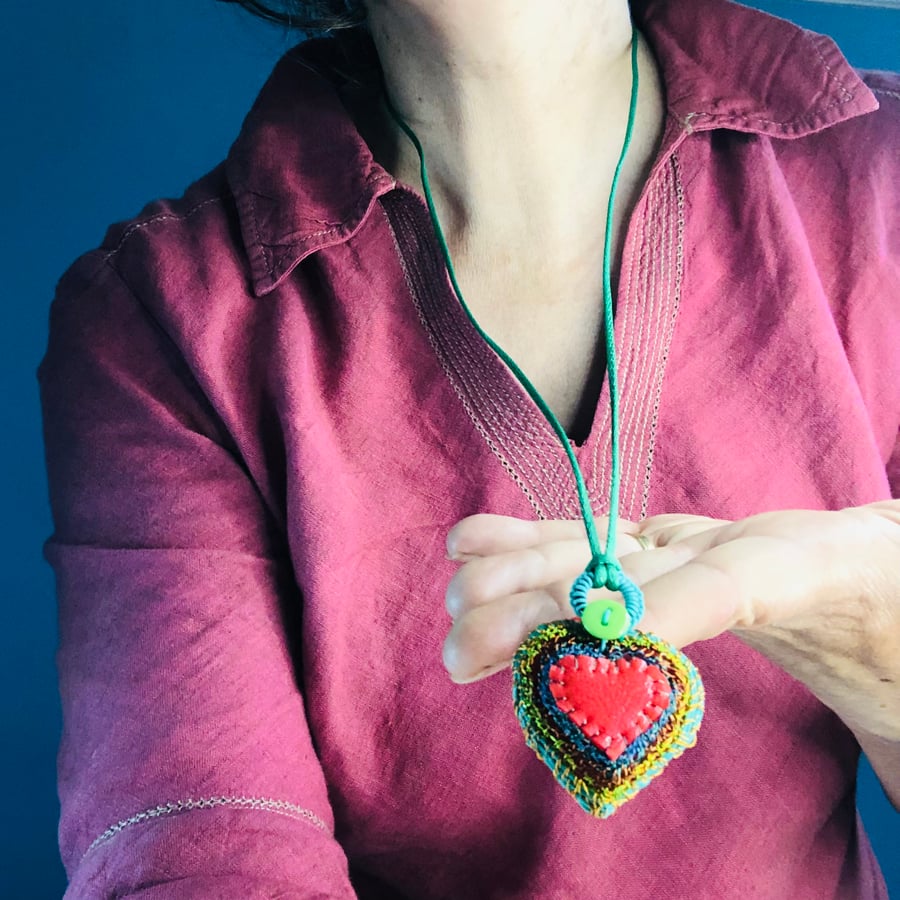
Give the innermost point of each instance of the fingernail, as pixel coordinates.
(479, 676)
(462, 557)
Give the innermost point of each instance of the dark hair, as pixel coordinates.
(309, 16)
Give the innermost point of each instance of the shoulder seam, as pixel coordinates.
(104, 258)
(161, 217)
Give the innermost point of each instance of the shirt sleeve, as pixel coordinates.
(186, 767)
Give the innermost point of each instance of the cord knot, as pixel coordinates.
(606, 573)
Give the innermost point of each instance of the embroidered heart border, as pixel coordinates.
(598, 784)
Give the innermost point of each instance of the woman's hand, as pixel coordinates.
(816, 592)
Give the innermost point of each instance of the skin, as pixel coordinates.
(830, 617)
(480, 84)
(500, 138)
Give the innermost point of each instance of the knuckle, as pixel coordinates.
(455, 596)
(469, 587)
(460, 650)
(450, 653)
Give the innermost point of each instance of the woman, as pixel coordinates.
(277, 447)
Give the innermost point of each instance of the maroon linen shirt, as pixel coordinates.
(264, 408)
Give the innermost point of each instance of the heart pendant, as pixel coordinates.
(606, 716)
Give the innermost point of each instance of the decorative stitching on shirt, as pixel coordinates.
(536, 464)
(535, 473)
(886, 92)
(643, 353)
(650, 299)
(642, 350)
(260, 804)
(848, 96)
(528, 454)
(530, 451)
(490, 424)
(161, 217)
(630, 362)
(495, 410)
(646, 347)
(459, 386)
(531, 454)
(679, 279)
(662, 291)
(657, 291)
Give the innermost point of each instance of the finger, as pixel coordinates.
(485, 579)
(485, 639)
(671, 528)
(463, 596)
(744, 583)
(486, 534)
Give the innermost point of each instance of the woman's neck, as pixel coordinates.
(513, 100)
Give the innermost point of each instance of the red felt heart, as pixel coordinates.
(612, 701)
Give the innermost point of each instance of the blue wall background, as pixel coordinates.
(109, 105)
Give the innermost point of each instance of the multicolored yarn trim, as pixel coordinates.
(606, 716)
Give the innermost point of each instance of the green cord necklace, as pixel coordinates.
(605, 706)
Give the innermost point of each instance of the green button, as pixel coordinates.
(605, 619)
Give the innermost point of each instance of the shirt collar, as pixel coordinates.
(303, 179)
(729, 66)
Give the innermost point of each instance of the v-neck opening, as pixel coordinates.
(508, 419)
